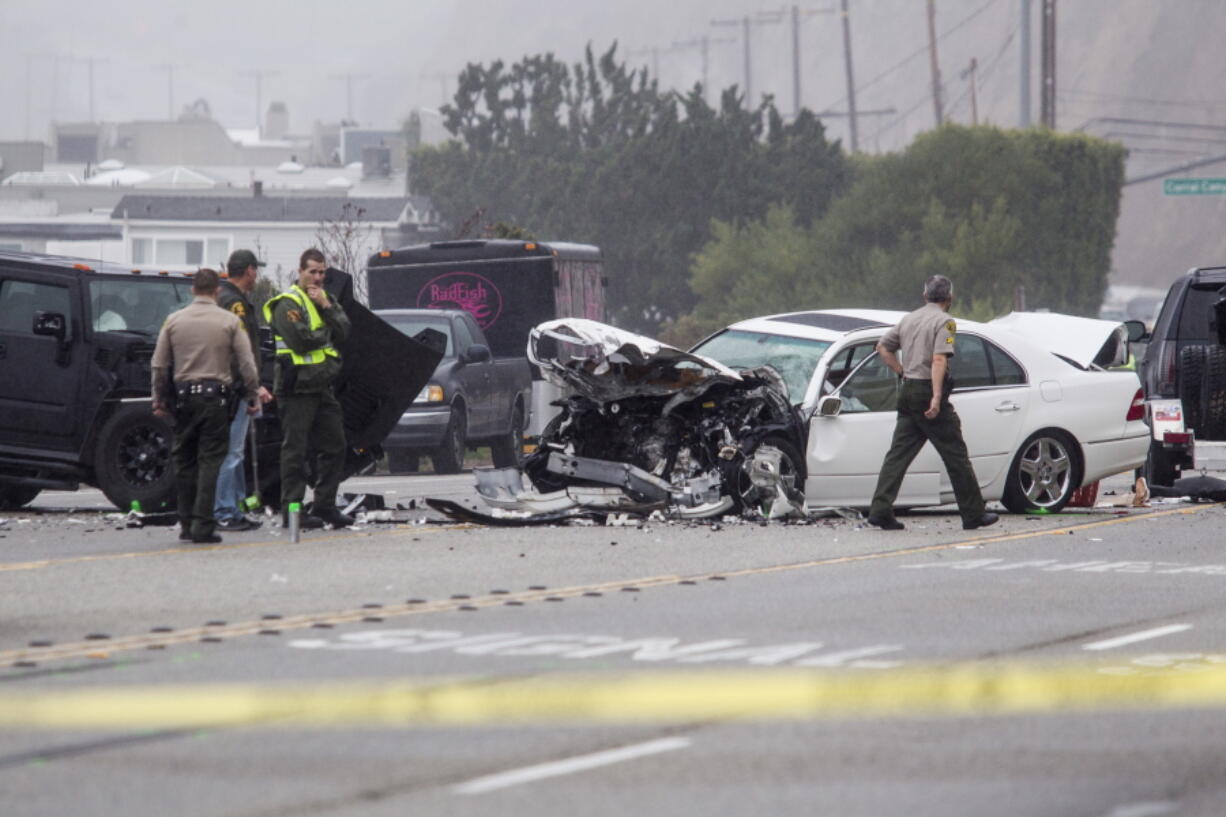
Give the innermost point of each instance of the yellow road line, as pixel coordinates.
(106, 648)
(954, 690)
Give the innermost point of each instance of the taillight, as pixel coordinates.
(1167, 369)
(1136, 411)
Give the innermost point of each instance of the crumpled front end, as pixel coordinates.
(648, 427)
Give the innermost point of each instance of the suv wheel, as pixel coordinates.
(1159, 470)
(132, 462)
(13, 497)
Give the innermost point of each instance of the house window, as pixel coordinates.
(174, 252)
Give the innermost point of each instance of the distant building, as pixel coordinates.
(21, 157)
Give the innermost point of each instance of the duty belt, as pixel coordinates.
(201, 388)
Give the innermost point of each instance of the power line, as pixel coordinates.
(920, 52)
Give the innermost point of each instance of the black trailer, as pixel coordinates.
(508, 286)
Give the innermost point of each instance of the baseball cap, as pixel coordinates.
(241, 259)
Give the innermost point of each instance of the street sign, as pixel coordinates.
(1194, 187)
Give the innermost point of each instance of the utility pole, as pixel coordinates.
(934, 62)
(654, 51)
(796, 12)
(349, 78)
(1048, 65)
(703, 44)
(29, 60)
(89, 63)
(745, 22)
(852, 119)
(970, 72)
(1023, 113)
(259, 75)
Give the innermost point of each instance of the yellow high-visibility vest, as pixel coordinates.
(296, 293)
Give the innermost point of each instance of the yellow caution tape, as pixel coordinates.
(958, 690)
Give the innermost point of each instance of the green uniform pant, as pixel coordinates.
(911, 431)
(202, 435)
(311, 425)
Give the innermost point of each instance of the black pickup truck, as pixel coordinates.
(76, 338)
(473, 398)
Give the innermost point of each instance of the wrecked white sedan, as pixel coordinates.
(647, 427)
(1041, 412)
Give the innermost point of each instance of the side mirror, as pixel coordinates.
(1136, 331)
(52, 324)
(830, 406)
(477, 353)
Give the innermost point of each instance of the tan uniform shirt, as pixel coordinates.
(921, 334)
(201, 340)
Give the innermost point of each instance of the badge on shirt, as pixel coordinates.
(950, 326)
(294, 315)
(238, 309)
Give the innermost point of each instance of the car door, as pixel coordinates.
(845, 452)
(476, 380)
(40, 375)
(992, 398)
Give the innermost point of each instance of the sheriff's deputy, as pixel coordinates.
(192, 380)
(926, 338)
(307, 323)
(242, 273)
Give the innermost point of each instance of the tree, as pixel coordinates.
(346, 242)
(597, 153)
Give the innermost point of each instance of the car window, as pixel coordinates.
(1005, 370)
(412, 325)
(969, 365)
(794, 358)
(872, 388)
(463, 338)
(1197, 313)
(843, 363)
(20, 300)
(132, 305)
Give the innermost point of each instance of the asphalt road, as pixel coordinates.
(1083, 627)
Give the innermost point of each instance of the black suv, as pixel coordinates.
(76, 339)
(1186, 361)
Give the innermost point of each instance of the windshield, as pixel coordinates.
(135, 305)
(794, 358)
(411, 325)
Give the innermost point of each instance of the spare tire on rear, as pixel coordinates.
(1191, 376)
(1213, 395)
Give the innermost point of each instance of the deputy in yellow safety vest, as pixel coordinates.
(307, 323)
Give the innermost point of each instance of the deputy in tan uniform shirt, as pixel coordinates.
(926, 339)
(192, 373)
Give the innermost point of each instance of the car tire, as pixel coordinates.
(132, 460)
(507, 450)
(1159, 469)
(448, 458)
(401, 461)
(1044, 474)
(15, 497)
(1213, 395)
(791, 466)
(1191, 380)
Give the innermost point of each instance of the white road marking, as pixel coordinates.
(1132, 638)
(558, 768)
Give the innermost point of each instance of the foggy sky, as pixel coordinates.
(402, 53)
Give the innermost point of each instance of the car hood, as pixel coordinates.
(1085, 341)
(606, 363)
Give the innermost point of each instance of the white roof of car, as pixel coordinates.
(1071, 337)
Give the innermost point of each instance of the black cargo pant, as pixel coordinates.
(311, 424)
(911, 431)
(202, 435)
